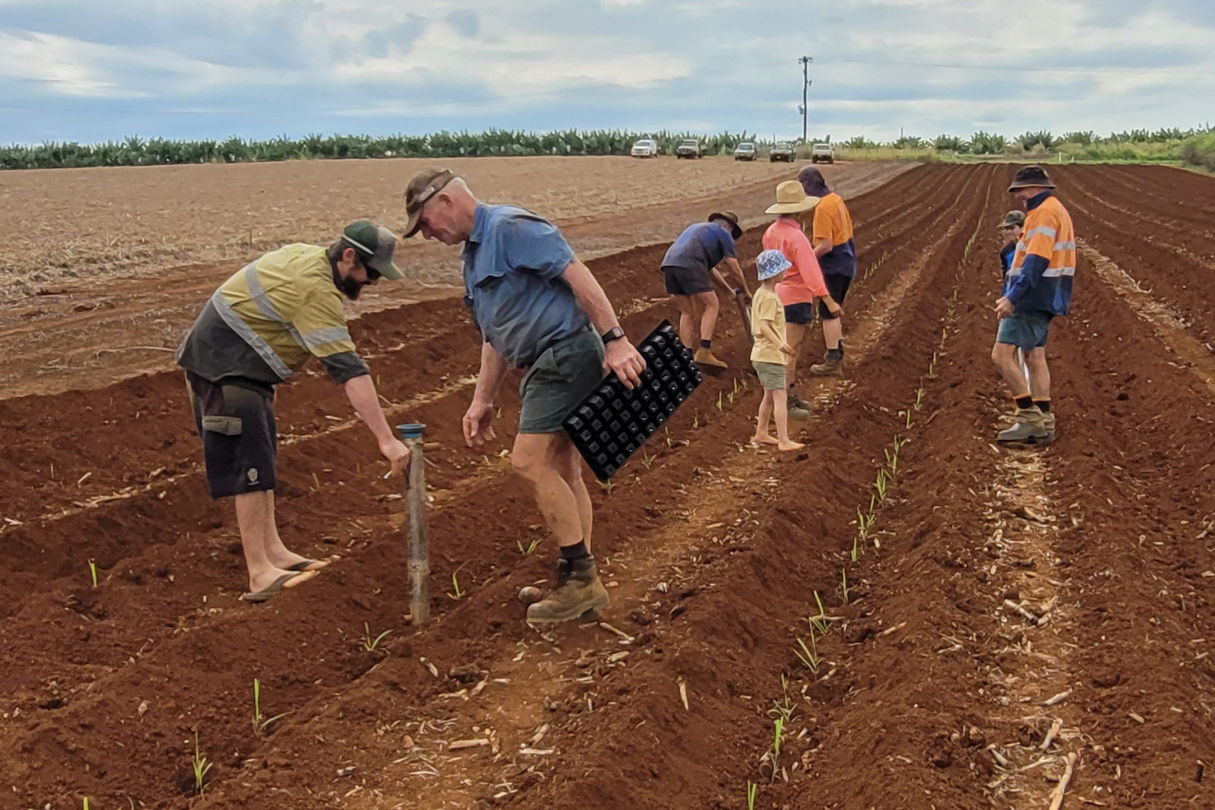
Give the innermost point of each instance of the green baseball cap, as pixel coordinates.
(375, 245)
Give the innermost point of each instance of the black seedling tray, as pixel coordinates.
(613, 421)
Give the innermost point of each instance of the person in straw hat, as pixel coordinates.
(1038, 288)
(803, 281)
(538, 309)
(689, 270)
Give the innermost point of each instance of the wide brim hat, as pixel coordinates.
(422, 186)
(791, 198)
(1013, 219)
(730, 217)
(1030, 177)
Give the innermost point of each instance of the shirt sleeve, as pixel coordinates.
(321, 325)
(827, 222)
(535, 245)
(727, 243)
(767, 308)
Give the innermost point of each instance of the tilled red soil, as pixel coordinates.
(997, 591)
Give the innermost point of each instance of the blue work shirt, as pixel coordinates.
(700, 247)
(513, 261)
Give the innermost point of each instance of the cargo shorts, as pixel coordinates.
(239, 435)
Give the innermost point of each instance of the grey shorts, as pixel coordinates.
(1025, 330)
(682, 281)
(240, 440)
(771, 375)
(559, 380)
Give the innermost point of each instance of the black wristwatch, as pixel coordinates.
(615, 333)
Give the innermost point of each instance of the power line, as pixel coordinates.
(805, 63)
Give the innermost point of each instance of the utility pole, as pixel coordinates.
(805, 62)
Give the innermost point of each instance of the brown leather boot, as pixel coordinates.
(578, 590)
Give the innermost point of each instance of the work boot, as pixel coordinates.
(832, 366)
(1030, 427)
(704, 357)
(578, 590)
(1048, 423)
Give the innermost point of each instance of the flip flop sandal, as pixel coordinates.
(302, 565)
(273, 588)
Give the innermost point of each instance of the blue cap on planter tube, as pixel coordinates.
(771, 263)
(413, 430)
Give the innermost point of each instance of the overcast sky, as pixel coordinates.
(90, 71)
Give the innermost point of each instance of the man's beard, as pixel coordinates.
(351, 288)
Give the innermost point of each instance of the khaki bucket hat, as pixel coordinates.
(791, 198)
(1013, 219)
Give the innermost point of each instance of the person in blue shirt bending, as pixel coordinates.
(539, 309)
(689, 270)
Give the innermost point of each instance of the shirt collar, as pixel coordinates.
(1036, 200)
(478, 228)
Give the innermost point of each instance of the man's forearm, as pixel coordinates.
(362, 395)
(489, 378)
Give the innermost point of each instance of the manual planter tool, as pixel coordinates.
(419, 533)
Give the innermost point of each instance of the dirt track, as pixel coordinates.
(935, 689)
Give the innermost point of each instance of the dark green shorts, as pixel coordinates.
(240, 440)
(1025, 330)
(559, 380)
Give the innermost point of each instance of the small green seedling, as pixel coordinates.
(856, 543)
(261, 724)
(606, 486)
(879, 484)
(892, 462)
(730, 397)
(201, 766)
(369, 643)
(719, 400)
(527, 550)
(695, 422)
(907, 424)
(455, 594)
(735, 392)
(809, 656)
(646, 459)
(752, 792)
(85, 806)
(819, 622)
(919, 399)
(844, 582)
(316, 481)
(93, 573)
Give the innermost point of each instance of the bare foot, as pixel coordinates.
(789, 445)
(764, 438)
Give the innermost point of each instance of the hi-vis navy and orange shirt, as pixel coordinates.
(1044, 264)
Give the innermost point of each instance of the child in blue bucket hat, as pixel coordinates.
(770, 353)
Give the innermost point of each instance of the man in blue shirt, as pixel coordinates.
(690, 268)
(538, 308)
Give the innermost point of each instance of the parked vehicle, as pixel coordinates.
(746, 151)
(645, 148)
(690, 148)
(781, 150)
(822, 153)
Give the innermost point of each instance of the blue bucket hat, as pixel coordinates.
(771, 263)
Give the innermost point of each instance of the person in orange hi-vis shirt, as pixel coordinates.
(803, 281)
(1038, 287)
(831, 235)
